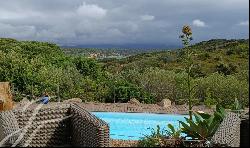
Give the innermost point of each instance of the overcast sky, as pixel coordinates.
(79, 22)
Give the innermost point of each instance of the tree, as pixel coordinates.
(87, 67)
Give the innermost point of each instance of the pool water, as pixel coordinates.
(132, 126)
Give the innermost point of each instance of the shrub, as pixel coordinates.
(203, 56)
(168, 59)
(242, 75)
(226, 69)
(197, 71)
(153, 140)
(34, 67)
(159, 138)
(222, 89)
(87, 67)
(209, 102)
(160, 83)
(122, 90)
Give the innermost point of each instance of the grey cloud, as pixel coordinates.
(122, 22)
(91, 11)
(199, 23)
(147, 17)
(244, 23)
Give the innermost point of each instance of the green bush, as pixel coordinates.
(203, 56)
(226, 69)
(153, 140)
(87, 67)
(34, 67)
(160, 83)
(209, 101)
(197, 71)
(222, 89)
(121, 90)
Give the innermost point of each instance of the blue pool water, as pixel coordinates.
(132, 126)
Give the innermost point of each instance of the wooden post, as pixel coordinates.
(58, 94)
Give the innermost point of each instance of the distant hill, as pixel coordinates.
(125, 46)
(133, 49)
(219, 43)
(209, 56)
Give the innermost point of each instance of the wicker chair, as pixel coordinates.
(228, 133)
(53, 125)
(244, 130)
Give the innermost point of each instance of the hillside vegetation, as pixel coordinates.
(220, 73)
(224, 56)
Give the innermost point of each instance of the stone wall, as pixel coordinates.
(6, 102)
(164, 103)
(140, 108)
(123, 143)
(143, 108)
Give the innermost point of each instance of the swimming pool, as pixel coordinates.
(132, 126)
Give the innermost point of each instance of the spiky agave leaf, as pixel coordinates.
(171, 127)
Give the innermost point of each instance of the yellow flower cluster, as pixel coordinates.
(187, 30)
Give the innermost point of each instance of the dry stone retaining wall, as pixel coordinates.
(146, 108)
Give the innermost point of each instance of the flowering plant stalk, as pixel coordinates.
(186, 38)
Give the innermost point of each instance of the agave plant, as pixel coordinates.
(204, 126)
(173, 133)
(237, 106)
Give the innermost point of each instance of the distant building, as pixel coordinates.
(93, 55)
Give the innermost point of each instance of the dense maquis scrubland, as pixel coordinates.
(220, 73)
